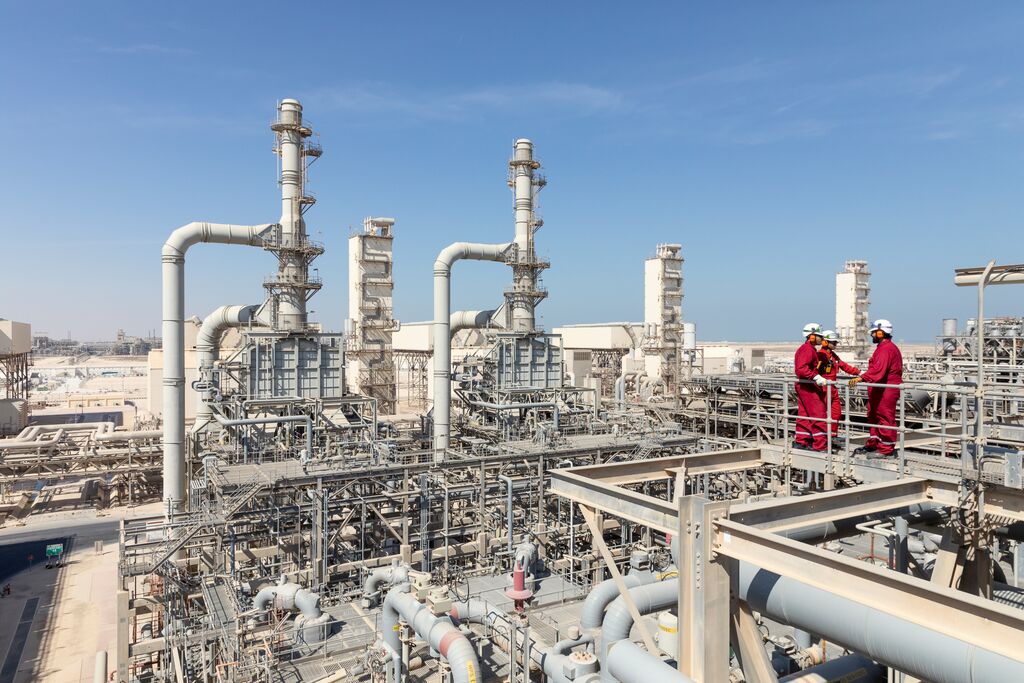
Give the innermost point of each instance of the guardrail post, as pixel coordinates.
(704, 600)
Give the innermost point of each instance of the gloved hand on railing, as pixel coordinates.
(855, 381)
(820, 381)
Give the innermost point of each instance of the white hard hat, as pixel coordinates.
(883, 325)
(831, 336)
(811, 328)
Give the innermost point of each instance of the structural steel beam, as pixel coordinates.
(704, 599)
(974, 620)
(1000, 501)
(782, 514)
(629, 472)
(636, 507)
(1000, 275)
(748, 642)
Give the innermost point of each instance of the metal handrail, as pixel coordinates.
(949, 429)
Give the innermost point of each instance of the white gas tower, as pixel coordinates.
(852, 321)
(663, 317)
(371, 366)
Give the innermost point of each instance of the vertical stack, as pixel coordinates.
(292, 285)
(524, 295)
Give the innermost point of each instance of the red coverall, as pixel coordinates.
(885, 367)
(810, 399)
(829, 365)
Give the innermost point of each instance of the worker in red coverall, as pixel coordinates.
(885, 367)
(810, 392)
(829, 365)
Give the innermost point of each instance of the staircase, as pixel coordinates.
(642, 450)
(179, 536)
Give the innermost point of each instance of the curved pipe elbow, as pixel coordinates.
(222, 319)
(472, 251)
(265, 598)
(629, 663)
(462, 660)
(224, 233)
(476, 611)
(618, 621)
(602, 595)
(308, 602)
(384, 575)
(464, 320)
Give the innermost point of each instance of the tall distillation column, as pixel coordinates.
(525, 292)
(291, 286)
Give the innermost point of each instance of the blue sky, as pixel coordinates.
(772, 140)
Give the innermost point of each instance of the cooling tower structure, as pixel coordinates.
(853, 286)
(371, 363)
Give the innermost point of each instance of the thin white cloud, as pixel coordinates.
(731, 74)
(382, 98)
(146, 48)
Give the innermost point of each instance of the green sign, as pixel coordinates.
(54, 549)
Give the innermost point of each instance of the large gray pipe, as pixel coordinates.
(438, 632)
(630, 663)
(395, 574)
(173, 258)
(208, 349)
(601, 595)
(618, 621)
(898, 643)
(290, 596)
(848, 669)
(470, 320)
(887, 639)
(553, 661)
(442, 336)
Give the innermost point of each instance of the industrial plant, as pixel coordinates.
(475, 498)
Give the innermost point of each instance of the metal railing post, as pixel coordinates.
(902, 435)
(785, 416)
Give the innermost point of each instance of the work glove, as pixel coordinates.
(820, 381)
(855, 381)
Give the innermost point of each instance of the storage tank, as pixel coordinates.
(949, 327)
(667, 639)
(689, 336)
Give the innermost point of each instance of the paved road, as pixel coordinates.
(19, 641)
